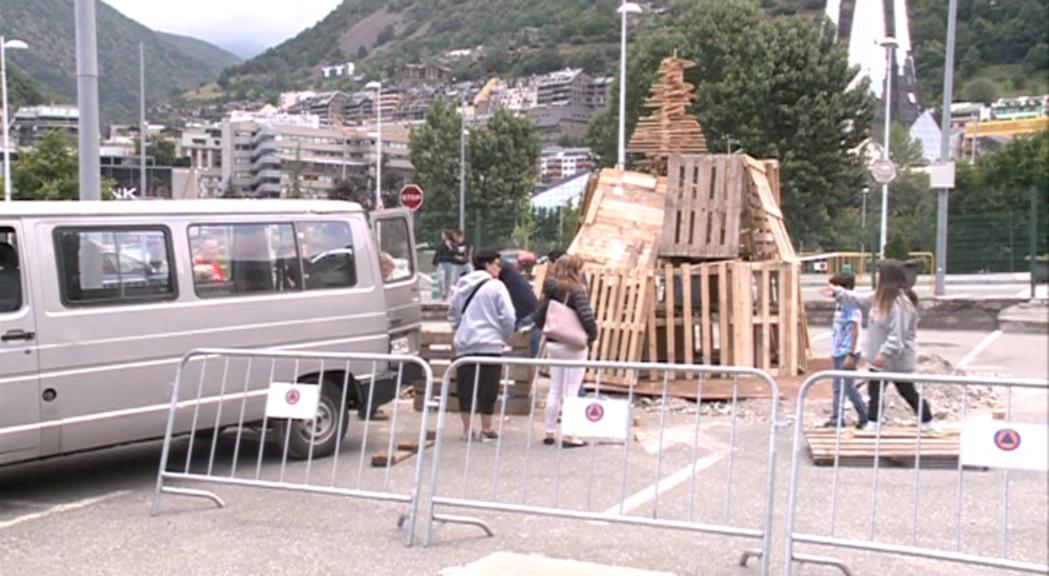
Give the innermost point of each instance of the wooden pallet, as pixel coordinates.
(621, 300)
(703, 205)
(622, 220)
(898, 447)
(763, 233)
(730, 313)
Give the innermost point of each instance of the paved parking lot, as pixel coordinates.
(89, 514)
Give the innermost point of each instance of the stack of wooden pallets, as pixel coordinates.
(436, 344)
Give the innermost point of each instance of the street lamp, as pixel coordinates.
(889, 44)
(4, 45)
(624, 9)
(462, 165)
(377, 86)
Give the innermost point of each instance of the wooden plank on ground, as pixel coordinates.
(898, 446)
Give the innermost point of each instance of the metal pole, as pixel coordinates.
(885, 152)
(873, 259)
(942, 200)
(378, 150)
(7, 127)
(976, 138)
(462, 167)
(1033, 224)
(87, 100)
(142, 127)
(621, 156)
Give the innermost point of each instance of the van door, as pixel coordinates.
(397, 266)
(19, 369)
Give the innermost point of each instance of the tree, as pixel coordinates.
(981, 90)
(782, 88)
(434, 153)
(354, 188)
(503, 171)
(48, 172)
(230, 192)
(161, 149)
(295, 175)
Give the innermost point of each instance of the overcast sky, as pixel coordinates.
(232, 24)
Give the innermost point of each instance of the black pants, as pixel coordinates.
(906, 389)
(487, 386)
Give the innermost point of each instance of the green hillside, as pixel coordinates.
(175, 64)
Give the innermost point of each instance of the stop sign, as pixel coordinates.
(412, 197)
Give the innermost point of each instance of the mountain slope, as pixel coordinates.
(48, 26)
(522, 37)
(210, 54)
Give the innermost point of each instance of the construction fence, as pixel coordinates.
(642, 461)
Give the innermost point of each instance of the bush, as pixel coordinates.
(981, 90)
(897, 247)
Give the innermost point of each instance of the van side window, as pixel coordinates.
(117, 266)
(234, 259)
(395, 256)
(328, 259)
(10, 275)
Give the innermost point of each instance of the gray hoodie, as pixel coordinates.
(893, 336)
(487, 326)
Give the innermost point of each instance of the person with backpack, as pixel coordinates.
(568, 323)
(482, 316)
(892, 337)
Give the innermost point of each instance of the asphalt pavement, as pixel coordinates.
(90, 513)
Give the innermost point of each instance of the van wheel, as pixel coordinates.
(326, 422)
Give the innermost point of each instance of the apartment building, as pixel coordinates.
(265, 155)
(557, 163)
(31, 123)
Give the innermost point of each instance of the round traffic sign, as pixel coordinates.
(411, 197)
(1007, 439)
(884, 171)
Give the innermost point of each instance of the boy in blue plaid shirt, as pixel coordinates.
(845, 339)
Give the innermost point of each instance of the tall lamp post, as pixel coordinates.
(377, 86)
(462, 166)
(886, 163)
(4, 45)
(945, 151)
(625, 9)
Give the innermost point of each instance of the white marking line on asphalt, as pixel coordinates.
(987, 341)
(666, 484)
(63, 508)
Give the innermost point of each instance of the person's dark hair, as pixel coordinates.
(554, 254)
(845, 280)
(892, 281)
(482, 258)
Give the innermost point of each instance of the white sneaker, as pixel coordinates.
(872, 425)
(931, 426)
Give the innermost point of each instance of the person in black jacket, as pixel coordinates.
(565, 286)
(444, 260)
(525, 303)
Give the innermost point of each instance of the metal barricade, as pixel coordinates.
(228, 403)
(895, 496)
(519, 472)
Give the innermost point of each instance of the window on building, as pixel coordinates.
(10, 272)
(241, 259)
(395, 256)
(328, 258)
(114, 266)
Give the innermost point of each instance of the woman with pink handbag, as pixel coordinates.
(568, 324)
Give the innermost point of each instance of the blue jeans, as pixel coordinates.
(850, 392)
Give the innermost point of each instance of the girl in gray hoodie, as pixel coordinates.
(892, 336)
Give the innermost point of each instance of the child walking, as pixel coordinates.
(845, 338)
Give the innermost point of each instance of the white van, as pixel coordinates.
(100, 300)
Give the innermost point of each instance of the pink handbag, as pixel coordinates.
(563, 325)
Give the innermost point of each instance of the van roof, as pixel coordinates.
(174, 207)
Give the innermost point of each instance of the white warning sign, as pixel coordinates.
(594, 418)
(292, 401)
(1002, 444)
